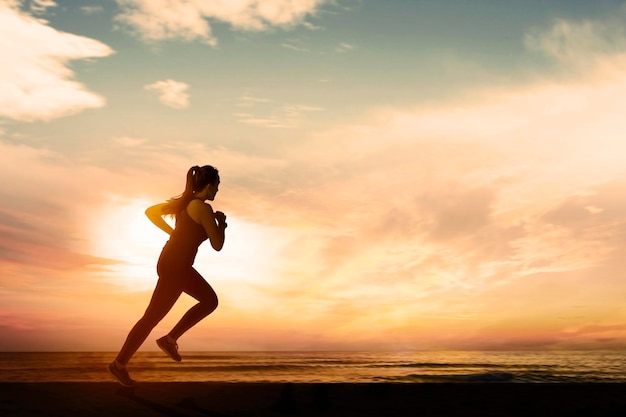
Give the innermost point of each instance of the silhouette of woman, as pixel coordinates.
(195, 222)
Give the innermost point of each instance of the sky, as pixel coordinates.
(398, 175)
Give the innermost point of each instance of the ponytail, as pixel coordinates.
(197, 178)
(191, 181)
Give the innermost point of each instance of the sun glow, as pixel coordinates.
(122, 232)
(258, 245)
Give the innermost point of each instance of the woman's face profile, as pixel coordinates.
(212, 190)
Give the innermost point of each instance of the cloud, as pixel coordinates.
(344, 47)
(41, 6)
(294, 46)
(38, 230)
(300, 44)
(268, 113)
(295, 110)
(188, 20)
(89, 10)
(128, 142)
(482, 203)
(171, 93)
(35, 80)
(249, 101)
(580, 42)
(266, 122)
(311, 26)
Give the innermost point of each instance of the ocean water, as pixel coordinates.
(351, 367)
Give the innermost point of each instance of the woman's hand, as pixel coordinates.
(214, 223)
(221, 218)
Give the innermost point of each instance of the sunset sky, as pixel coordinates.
(397, 175)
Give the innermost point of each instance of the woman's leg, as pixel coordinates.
(167, 291)
(199, 289)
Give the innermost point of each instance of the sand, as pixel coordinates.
(275, 399)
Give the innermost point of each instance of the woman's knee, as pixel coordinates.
(199, 289)
(210, 303)
(214, 302)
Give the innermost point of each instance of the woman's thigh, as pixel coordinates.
(198, 288)
(168, 288)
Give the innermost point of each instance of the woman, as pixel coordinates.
(195, 222)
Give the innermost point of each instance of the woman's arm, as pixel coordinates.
(214, 223)
(155, 214)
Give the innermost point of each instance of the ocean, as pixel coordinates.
(323, 367)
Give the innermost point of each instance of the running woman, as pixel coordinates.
(195, 222)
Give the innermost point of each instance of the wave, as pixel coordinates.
(477, 377)
(232, 368)
(497, 377)
(453, 365)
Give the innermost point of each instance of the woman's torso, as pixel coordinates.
(184, 241)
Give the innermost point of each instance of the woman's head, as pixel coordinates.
(199, 177)
(202, 182)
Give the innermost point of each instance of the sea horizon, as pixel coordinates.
(571, 366)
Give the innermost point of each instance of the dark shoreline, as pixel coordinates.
(217, 399)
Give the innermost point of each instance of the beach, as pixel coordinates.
(311, 399)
